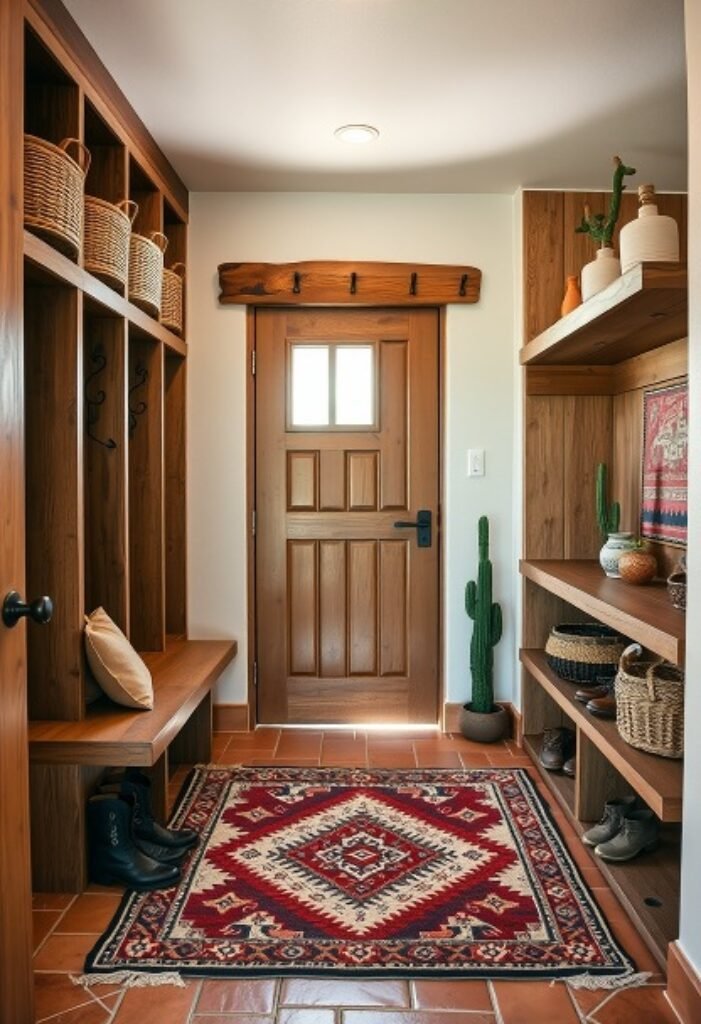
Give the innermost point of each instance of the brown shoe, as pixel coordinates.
(556, 748)
(602, 707)
(591, 693)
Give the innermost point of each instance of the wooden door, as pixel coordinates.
(15, 887)
(346, 449)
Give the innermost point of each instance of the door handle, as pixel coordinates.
(422, 527)
(14, 608)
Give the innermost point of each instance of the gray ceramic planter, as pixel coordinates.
(481, 727)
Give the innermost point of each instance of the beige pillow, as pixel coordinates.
(115, 664)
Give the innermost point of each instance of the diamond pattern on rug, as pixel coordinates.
(393, 873)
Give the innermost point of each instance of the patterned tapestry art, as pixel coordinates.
(665, 440)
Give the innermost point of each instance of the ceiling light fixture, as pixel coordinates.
(357, 134)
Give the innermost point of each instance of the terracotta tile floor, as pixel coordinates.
(66, 926)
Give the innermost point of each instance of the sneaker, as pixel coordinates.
(557, 746)
(611, 821)
(639, 832)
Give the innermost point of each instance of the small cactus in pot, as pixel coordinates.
(482, 719)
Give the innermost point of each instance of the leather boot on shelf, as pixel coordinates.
(137, 785)
(639, 832)
(556, 748)
(570, 766)
(611, 821)
(588, 693)
(602, 707)
(114, 857)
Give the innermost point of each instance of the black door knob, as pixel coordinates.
(13, 609)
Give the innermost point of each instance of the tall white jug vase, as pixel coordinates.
(652, 236)
(600, 272)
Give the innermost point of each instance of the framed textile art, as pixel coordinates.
(665, 448)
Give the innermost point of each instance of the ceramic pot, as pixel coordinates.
(637, 567)
(612, 550)
(598, 274)
(650, 237)
(573, 296)
(484, 728)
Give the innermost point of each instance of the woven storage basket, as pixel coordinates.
(106, 239)
(650, 704)
(53, 191)
(172, 298)
(583, 652)
(146, 270)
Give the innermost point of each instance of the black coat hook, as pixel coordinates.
(297, 286)
(352, 283)
(141, 374)
(99, 360)
(412, 286)
(463, 285)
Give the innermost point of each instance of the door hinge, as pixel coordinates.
(253, 362)
(255, 673)
(253, 523)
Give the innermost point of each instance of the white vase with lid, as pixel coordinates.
(652, 236)
(598, 274)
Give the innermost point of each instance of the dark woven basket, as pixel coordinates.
(584, 652)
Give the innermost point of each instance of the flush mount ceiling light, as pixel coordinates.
(357, 134)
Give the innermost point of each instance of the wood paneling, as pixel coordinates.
(230, 718)
(362, 607)
(193, 744)
(394, 647)
(332, 608)
(670, 362)
(336, 282)
(362, 481)
(107, 175)
(626, 468)
(302, 486)
(175, 461)
(142, 191)
(51, 100)
(393, 416)
(54, 497)
(587, 441)
(544, 470)
(332, 480)
(569, 380)
(59, 838)
(543, 260)
(302, 605)
(683, 985)
(106, 502)
(146, 491)
(16, 982)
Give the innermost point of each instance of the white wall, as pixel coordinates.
(283, 227)
(690, 939)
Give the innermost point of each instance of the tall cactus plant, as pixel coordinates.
(486, 633)
(608, 517)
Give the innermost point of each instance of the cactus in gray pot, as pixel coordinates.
(486, 615)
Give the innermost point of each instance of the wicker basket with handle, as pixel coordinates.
(53, 191)
(106, 239)
(146, 270)
(172, 299)
(650, 704)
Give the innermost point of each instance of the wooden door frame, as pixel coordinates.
(252, 719)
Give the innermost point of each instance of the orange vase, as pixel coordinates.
(573, 296)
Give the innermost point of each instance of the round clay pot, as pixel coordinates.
(484, 727)
(638, 567)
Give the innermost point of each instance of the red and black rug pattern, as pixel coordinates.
(422, 872)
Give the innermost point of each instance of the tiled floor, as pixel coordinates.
(66, 926)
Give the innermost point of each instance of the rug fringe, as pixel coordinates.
(130, 979)
(594, 982)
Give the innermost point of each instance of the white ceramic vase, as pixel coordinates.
(651, 237)
(612, 550)
(598, 274)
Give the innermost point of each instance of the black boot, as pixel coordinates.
(114, 858)
(137, 785)
(163, 854)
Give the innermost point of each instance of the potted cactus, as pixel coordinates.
(481, 719)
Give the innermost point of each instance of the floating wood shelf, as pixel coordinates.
(647, 887)
(644, 614)
(657, 780)
(644, 308)
(47, 260)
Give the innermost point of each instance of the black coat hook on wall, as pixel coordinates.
(99, 361)
(296, 287)
(141, 374)
(412, 286)
(463, 285)
(353, 281)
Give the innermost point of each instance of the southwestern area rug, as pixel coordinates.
(375, 873)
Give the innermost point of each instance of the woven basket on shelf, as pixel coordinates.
(106, 239)
(583, 652)
(172, 298)
(650, 704)
(53, 191)
(146, 270)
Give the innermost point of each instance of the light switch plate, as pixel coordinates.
(475, 462)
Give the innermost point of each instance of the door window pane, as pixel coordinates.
(310, 385)
(354, 385)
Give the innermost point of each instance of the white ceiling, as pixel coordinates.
(469, 95)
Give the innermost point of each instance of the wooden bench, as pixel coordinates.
(68, 758)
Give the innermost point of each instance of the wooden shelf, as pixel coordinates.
(644, 308)
(657, 780)
(43, 256)
(644, 614)
(653, 877)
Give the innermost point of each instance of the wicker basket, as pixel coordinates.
(53, 191)
(650, 704)
(146, 270)
(106, 239)
(584, 652)
(172, 299)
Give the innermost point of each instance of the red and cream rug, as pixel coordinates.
(376, 873)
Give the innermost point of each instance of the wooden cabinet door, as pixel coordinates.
(15, 891)
(346, 457)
